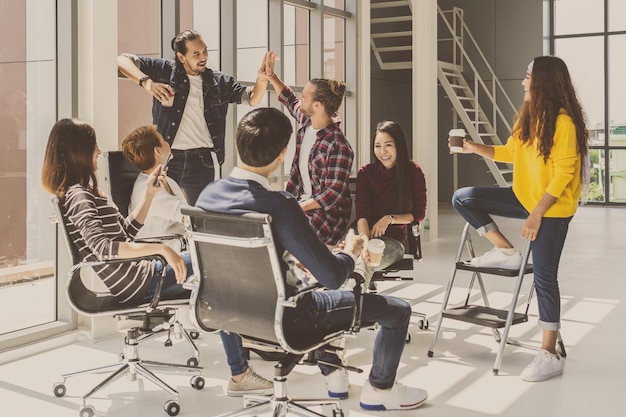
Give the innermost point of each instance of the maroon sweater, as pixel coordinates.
(376, 196)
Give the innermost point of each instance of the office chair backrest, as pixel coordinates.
(82, 299)
(241, 287)
(120, 178)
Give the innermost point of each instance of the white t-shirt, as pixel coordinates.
(164, 216)
(310, 136)
(193, 131)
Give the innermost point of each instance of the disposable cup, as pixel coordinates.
(456, 139)
(375, 247)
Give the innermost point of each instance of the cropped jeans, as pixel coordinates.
(192, 169)
(476, 204)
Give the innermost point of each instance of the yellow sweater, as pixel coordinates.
(559, 176)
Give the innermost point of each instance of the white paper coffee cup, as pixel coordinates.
(375, 247)
(456, 139)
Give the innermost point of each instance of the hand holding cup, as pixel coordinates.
(455, 140)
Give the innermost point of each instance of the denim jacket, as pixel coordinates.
(218, 89)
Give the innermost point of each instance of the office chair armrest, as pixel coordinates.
(157, 293)
(414, 240)
(355, 326)
(159, 239)
(292, 300)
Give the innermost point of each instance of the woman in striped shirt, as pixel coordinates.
(97, 229)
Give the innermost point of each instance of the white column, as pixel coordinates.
(425, 102)
(97, 69)
(364, 85)
(97, 98)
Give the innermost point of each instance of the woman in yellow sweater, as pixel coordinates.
(547, 148)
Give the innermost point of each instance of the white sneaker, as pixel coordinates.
(252, 383)
(337, 384)
(495, 258)
(544, 366)
(398, 397)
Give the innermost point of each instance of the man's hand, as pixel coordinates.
(162, 92)
(266, 71)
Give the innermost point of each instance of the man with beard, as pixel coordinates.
(320, 172)
(189, 106)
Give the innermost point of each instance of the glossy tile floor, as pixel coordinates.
(458, 378)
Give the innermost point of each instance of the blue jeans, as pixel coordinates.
(325, 312)
(476, 204)
(192, 169)
(171, 290)
(235, 353)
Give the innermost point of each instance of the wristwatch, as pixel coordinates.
(142, 79)
(393, 218)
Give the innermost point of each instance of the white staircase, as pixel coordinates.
(478, 102)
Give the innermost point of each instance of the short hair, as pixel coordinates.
(179, 44)
(261, 135)
(329, 93)
(69, 157)
(138, 146)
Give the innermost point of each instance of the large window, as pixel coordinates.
(594, 26)
(28, 296)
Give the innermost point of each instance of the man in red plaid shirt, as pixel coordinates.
(320, 171)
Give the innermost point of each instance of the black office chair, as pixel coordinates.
(242, 290)
(155, 317)
(120, 178)
(413, 254)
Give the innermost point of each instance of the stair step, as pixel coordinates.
(393, 19)
(392, 34)
(506, 171)
(388, 4)
(451, 74)
(487, 134)
(483, 316)
(465, 266)
(394, 48)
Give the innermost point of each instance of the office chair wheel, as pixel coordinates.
(338, 413)
(408, 338)
(197, 382)
(194, 335)
(59, 389)
(87, 411)
(168, 343)
(422, 324)
(193, 362)
(172, 408)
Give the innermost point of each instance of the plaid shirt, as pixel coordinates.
(330, 163)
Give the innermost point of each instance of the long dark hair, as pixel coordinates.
(69, 157)
(404, 196)
(551, 90)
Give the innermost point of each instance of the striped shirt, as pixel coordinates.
(96, 229)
